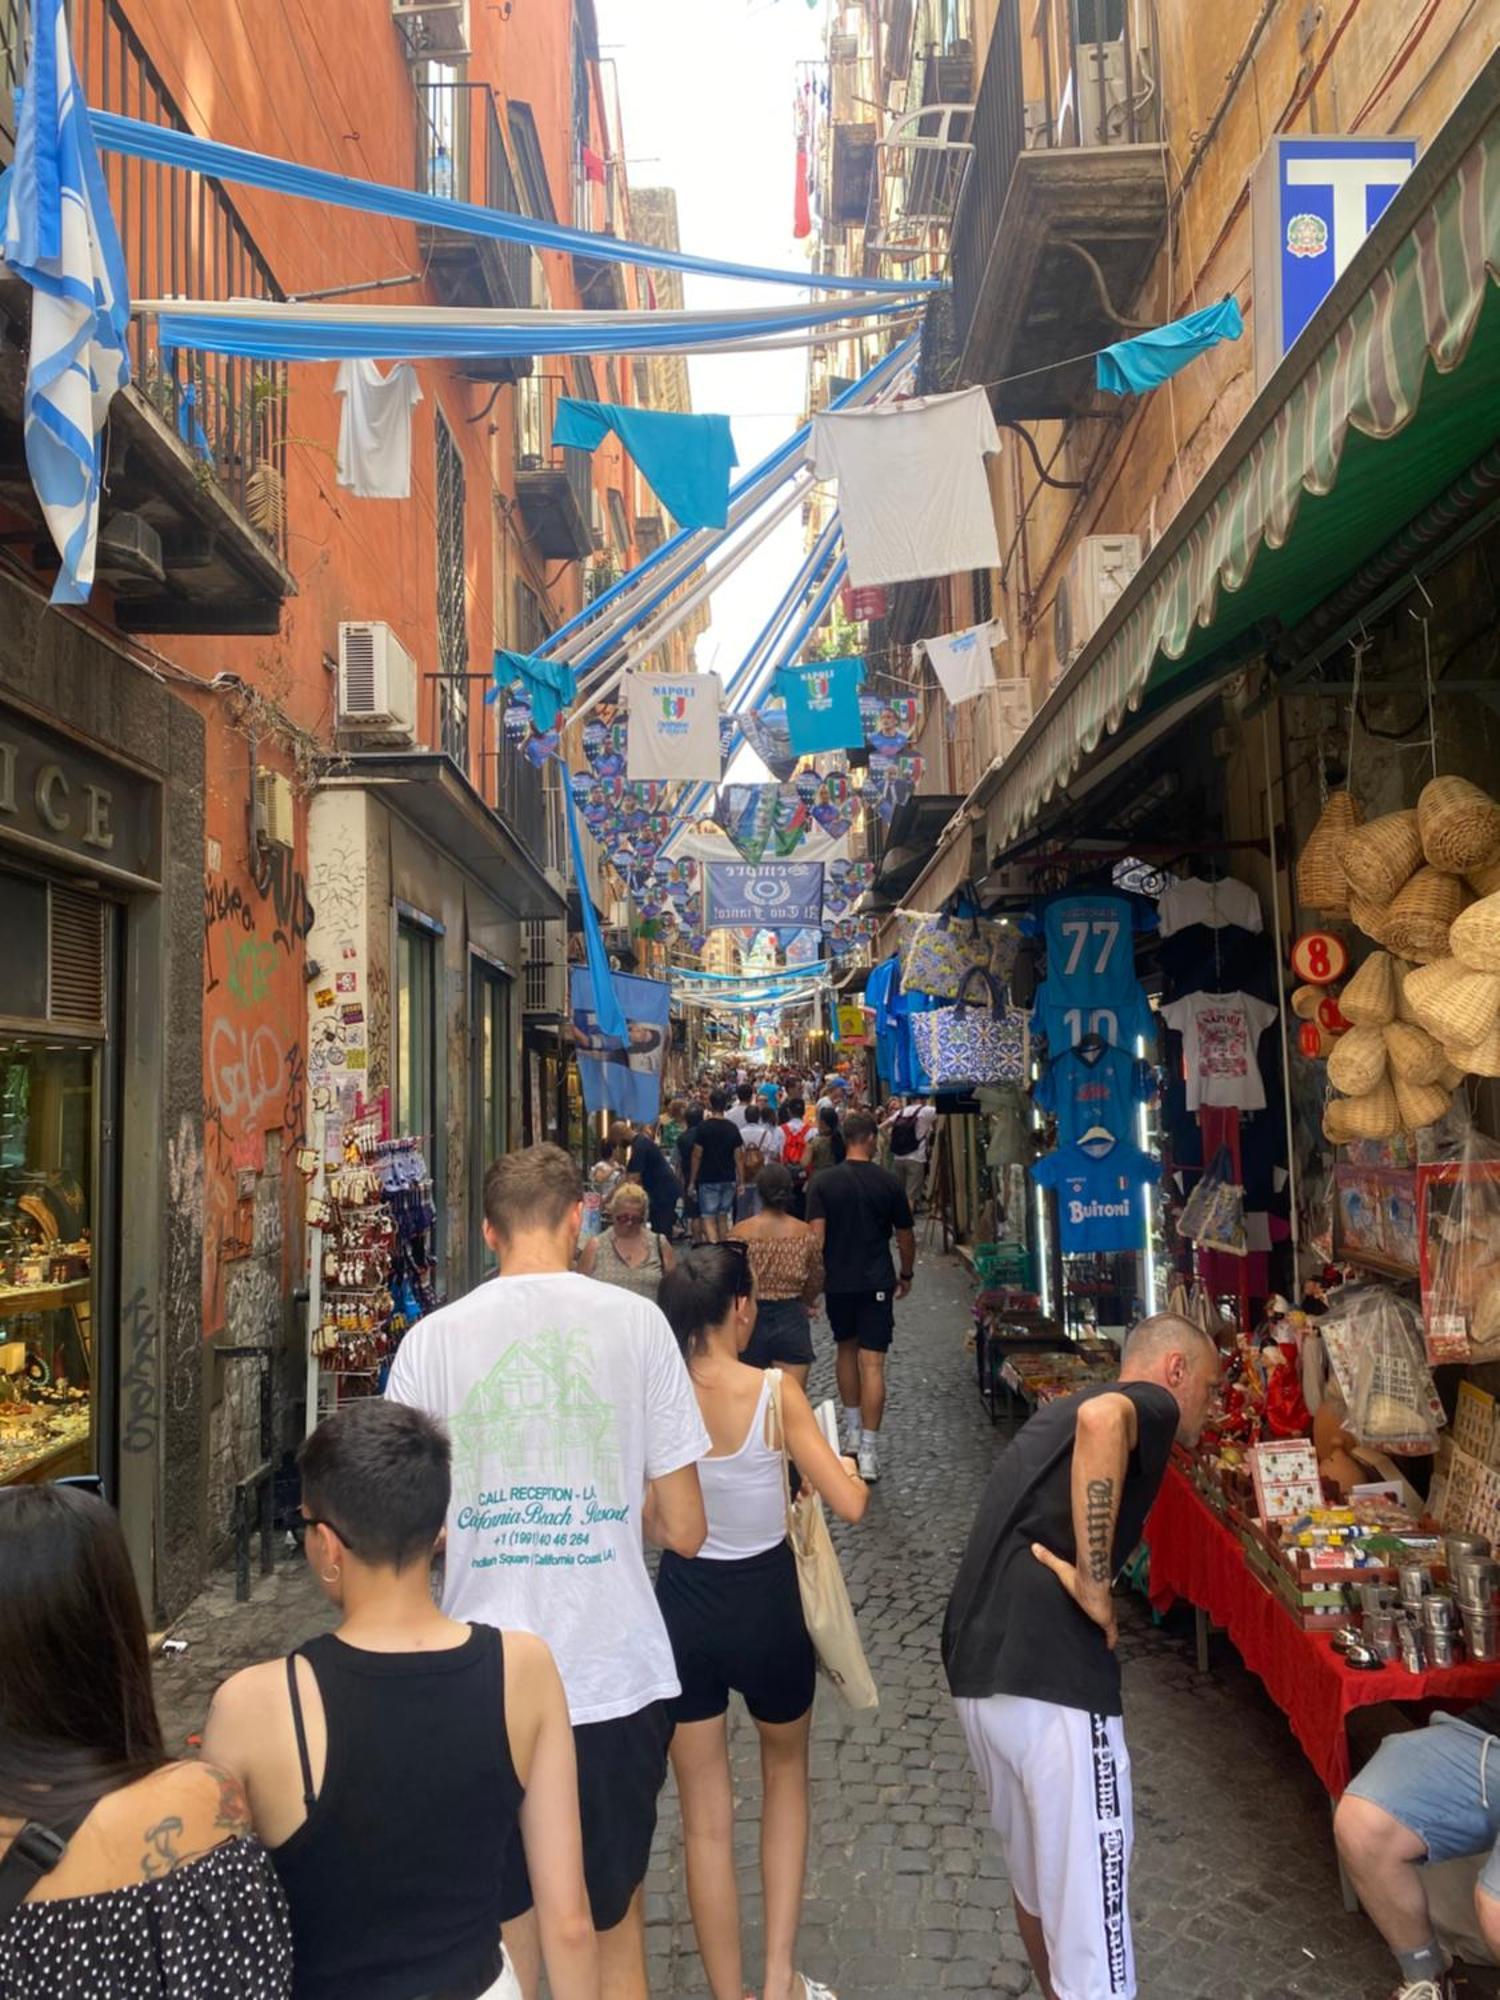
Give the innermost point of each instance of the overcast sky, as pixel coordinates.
(707, 91)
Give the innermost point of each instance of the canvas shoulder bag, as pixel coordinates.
(826, 1609)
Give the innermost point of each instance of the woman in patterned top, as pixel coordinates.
(122, 1876)
(788, 1268)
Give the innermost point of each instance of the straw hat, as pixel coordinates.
(1419, 917)
(1373, 1114)
(1369, 999)
(1414, 1055)
(1420, 1104)
(1379, 857)
(1367, 917)
(1356, 1062)
(1459, 824)
(1321, 883)
(1475, 935)
(1481, 1058)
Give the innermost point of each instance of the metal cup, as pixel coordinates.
(1375, 1597)
(1437, 1612)
(1482, 1635)
(1380, 1633)
(1440, 1648)
(1415, 1582)
(1463, 1548)
(1474, 1582)
(1409, 1637)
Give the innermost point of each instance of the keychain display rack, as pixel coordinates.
(371, 1221)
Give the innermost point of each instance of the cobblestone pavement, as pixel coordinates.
(1235, 1892)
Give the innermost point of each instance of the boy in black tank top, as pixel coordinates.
(393, 1764)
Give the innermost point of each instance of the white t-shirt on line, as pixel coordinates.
(563, 1397)
(1217, 904)
(374, 455)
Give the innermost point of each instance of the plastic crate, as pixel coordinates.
(1003, 1266)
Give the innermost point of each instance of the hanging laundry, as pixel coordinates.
(549, 685)
(914, 498)
(673, 725)
(801, 212)
(1131, 367)
(593, 167)
(685, 459)
(963, 661)
(374, 458)
(822, 705)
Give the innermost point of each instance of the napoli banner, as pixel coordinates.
(788, 895)
(623, 1077)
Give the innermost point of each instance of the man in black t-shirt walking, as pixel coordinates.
(855, 1209)
(1028, 1644)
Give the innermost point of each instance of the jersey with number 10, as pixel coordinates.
(1091, 986)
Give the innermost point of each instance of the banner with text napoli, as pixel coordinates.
(623, 1077)
(786, 895)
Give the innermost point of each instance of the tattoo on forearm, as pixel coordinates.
(1099, 1507)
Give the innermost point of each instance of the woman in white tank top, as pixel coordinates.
(735, 1618)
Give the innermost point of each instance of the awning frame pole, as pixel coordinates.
(1281, 1006)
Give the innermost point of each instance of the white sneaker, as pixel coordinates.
(869, 1464)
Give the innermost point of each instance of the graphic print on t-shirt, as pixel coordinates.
(1219, 1036)
(537, 1412)
(1101, 1194)
(1084, 1090)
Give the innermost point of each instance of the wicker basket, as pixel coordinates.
(1305, 1002)
(1457, 1006)
(1460, 825)
(1452, 1074)
(1379, 857)
(1356, 1062)
(1321, 883)
(1414, 1055)
(1484, 881)
(1372, 1115)
(1475, 935)
(1369, 999)
(1417, 923)
(1420, 1104)
(1481, 1058)
(1367, 917)
(1335, 1122)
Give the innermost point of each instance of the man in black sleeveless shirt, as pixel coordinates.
(1028, 1644)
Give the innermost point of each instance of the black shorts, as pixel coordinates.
(737, 1627)
(868, 1317)
(622, 1766)
(782, 1333)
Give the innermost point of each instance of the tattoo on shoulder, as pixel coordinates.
(232, 1814)
(163, 1849)
(1099, 1507)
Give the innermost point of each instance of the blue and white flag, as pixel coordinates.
(60, 237)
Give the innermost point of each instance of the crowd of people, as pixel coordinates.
(446, 1794)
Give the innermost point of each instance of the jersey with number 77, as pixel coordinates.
(1090, 941)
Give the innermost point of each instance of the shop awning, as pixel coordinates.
(1392, 392)
(428, 790)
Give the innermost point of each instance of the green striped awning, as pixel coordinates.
(1391, 394)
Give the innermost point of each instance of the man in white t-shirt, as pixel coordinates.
(907, 1129)
(569, 1406)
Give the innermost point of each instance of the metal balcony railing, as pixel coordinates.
(536, 415)
(461, 157)
(181, 234)
(521, 798)
(1097, 89)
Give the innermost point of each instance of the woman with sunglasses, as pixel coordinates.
(392, 1764)
(123, 1876)
(734, 1613)
(628, 1254)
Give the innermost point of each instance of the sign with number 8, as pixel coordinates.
(1319, 957)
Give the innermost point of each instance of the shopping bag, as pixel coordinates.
(1213, 1215)
(826, 1609)
(966, 1045)
(941, 951)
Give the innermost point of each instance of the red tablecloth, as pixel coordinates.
(1194, 1556)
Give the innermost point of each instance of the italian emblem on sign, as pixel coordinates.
(1306, 235)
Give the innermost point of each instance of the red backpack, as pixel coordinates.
(793, 1144)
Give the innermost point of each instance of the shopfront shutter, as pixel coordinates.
(75, 958)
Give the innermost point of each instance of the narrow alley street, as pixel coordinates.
(1235, 1892)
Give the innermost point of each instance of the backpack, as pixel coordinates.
(794, 1144)
(904, 1136)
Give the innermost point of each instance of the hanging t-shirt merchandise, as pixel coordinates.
(1219, 1036)
(1091, 987)
(1101, 1189)
(1094, 1085)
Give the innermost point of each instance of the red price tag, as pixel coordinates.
(1318, 957)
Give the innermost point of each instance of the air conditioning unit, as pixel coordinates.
(1104, 100)
(1095, 580)
(433, 27)
(377, 684)
(274, 822)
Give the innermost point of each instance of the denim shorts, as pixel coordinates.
(1443, 1784)
(716, 1198)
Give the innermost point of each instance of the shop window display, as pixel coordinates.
(47, 1114)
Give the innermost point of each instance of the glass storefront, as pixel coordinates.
(48, 1108)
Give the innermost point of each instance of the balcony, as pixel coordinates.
(601, 283)
(193, 521)
(1063, 209)
(554, 487)
(461, 157)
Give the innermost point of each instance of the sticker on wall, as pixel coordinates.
(355, 1058)
(324, 996)
(347, 982)
(352, 1014)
